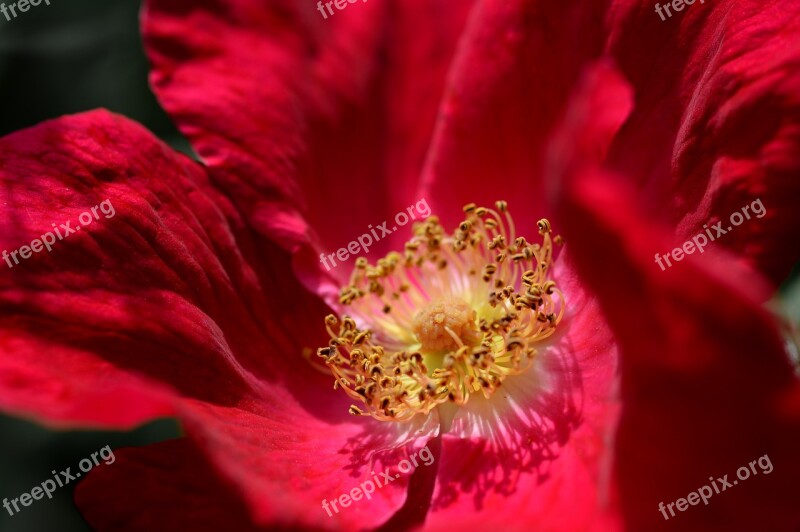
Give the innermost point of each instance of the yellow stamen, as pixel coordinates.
(452, 316)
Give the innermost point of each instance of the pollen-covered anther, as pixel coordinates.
(452, 316)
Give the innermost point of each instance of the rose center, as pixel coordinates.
(453, 316)
(446, 324)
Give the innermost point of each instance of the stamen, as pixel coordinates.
(451, 316)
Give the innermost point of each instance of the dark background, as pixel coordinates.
(71, 56)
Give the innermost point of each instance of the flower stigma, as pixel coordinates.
(452, 316)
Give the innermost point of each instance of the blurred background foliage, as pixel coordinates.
(69, 57)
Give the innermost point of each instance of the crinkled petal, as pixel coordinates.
(717, 122)
(152, 295)
(706, 384)
(315, 127)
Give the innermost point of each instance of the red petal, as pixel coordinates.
(706, 384)
(508, 89)
(324, 122)
(717, 121)
(153, 295)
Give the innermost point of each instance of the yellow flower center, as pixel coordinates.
(453, 316)
(446, 324)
